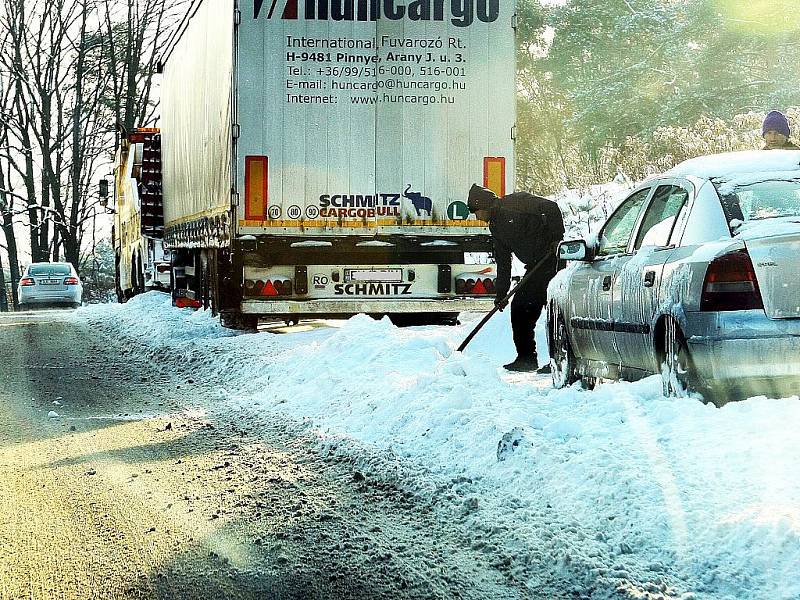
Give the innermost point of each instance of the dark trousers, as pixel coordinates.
(526, 307)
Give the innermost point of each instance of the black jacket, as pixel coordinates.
(529, 227)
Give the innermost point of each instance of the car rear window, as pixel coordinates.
(49, 270)
(761, 199)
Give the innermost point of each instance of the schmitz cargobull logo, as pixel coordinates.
(461, 13)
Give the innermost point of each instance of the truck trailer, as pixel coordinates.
(141, 262)
(317, 155)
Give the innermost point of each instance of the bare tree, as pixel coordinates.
(135, 32)
(75, 69)
(6, 198)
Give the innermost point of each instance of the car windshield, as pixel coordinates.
(49, 270)
(763, 199)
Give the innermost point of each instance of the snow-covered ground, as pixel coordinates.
(617, 489)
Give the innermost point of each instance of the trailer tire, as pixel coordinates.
(239, 321)
(117, 286)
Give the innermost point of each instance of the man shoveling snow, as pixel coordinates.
(528, 226)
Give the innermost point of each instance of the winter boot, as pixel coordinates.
(523, 364)
(544, 369)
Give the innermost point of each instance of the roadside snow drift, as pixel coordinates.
(619, 490)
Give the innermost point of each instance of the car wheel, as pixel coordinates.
(677, 368)
(562, 360)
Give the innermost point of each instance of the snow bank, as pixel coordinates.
(737, 163)
(619, 488)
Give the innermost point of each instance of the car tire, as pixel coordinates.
(677, 369)
(562, 360)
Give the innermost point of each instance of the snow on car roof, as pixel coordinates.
(724, 166)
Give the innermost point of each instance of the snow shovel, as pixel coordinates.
(504, 303)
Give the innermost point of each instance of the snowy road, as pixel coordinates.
(136, 486)
(432, 474)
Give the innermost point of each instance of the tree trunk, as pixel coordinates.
(3, 296)
(13, 259)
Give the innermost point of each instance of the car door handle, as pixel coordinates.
(606, 283)
(649, 278)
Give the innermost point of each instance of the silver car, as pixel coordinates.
(50, 284)
(696, 276)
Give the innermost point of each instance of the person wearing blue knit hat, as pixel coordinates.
(775, 132)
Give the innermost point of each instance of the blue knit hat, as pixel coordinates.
(775, 121)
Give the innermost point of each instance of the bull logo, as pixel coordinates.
(419, 201)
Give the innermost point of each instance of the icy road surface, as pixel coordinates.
(616, 493)
(118, 481)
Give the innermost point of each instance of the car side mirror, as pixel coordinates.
(574, 250)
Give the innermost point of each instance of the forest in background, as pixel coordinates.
(631, 87)
(610, 90)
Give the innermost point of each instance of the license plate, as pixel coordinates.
(379, 275)
(50, 281)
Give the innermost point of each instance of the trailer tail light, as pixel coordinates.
(184, 302)
(284, 288)
(26, 281)
(731, 284)
(275, 286)
(185, 298)
(494, 174)
(474, 284)
(268, 289)
(256, 189)
(71, 281)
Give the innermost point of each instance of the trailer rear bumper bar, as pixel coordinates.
(381, 306)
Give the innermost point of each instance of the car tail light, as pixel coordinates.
(277, 286)
(731, 284)
(26, 281)
(473, 285)
(71, 281)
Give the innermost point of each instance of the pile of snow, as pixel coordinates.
(615, 489)
(734, 164)
(586, 209)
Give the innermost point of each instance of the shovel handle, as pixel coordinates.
(507, 297)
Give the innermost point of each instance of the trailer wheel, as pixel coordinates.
(239, 321)
(117, 285)
(140, 275)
